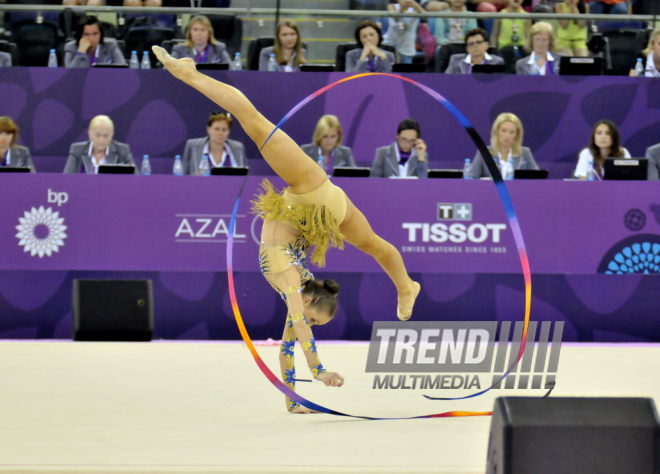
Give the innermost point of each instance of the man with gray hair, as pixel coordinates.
(100, 149)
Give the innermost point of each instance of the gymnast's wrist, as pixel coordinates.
(317, 370)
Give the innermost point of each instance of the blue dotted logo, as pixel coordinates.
(635, 220)
(637, 254)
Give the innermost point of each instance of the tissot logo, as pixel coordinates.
(207, 228)
(455, 212)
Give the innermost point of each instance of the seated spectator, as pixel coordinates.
(452, 30)
(5, 59)
(288, 50)
(476, 43)
(653, 155)
(326, 148)
(616, 7)
(201, 45)
(369, 58)
(402, 31)
(90, 47)
(405, 157)
(100, 149)
(571, 34)
(506, 137)
(604, 143)
(507, 32)
(222, 151)
(13, 155)
(651, 57)
(542, 61)
(90, 3)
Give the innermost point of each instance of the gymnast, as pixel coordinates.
(310, 212)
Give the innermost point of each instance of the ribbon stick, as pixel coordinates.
(511, 216)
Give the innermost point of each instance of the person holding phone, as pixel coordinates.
(405, 157)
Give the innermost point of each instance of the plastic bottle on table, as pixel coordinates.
(146, 62)
(146, 167)
(178, 167)
(272, 64)
(639, 68)
(204, 166)
(134, 63)
(467, 169)
(591, 173)
(52, 59)
(238, 64)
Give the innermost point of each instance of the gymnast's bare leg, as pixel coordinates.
(301, 174)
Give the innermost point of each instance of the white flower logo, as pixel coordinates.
(41, 231)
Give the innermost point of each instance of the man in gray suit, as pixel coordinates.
(5, 59)
(405, 157)
(222, 151)
(101, 149)
(653, 155)
(90, 47)
(476, 43)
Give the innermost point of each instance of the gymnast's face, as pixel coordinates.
(288, 37)
(313, 316)
(218, 132)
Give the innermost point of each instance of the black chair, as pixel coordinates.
(169, 44)
(11, 48)
(143, 38)
(254, 49)
(229, 30)
(68, 21)
(625, 45)
(648, 7)
(343, 48)
(34, 41)
(109, 30)
(511, 54)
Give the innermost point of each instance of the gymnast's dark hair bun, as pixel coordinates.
(332, 287)
(323, 295)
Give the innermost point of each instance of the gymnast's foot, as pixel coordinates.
(183, 69)
(407, 301)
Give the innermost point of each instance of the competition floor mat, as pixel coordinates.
(189, 407)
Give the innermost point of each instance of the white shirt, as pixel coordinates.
(585, 158)
(402, 33)
(651, 70)
(226, 153)
(456, 26)
(532, 60)
(93, 160)
(8, 155)
(468, 58)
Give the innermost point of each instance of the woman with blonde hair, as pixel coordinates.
(13, 155)
(506, 139)
(326, 149)
(311, 211)
(650, 57)
(288, 51)
(201, 45)
(542, 61)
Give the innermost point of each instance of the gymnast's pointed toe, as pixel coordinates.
(405, 305)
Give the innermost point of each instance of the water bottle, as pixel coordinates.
(509, 174)
(146, 63)
(178, 167)
(272, 64)
(639, 68)
(134, 63)
(146, 167)
(52, 59)
(204, 167)
(591, 173)
(467, 169)
(238, 64)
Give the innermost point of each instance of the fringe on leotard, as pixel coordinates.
(315, 223)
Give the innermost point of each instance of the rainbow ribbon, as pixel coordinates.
(511, 216)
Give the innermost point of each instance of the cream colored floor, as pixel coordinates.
(205, 407)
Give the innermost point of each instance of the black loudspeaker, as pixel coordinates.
(574, 436)
(112, 310)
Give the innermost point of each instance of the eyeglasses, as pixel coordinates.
(475, 43)
(406, 140)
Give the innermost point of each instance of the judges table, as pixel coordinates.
(453, 234)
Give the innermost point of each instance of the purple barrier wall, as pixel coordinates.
(155, 113)
(127, 226)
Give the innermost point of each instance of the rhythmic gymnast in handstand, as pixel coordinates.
(310, 212)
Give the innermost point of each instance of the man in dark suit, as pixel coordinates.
(405, 157)
(101, 149)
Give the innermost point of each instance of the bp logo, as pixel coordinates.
(635, 254)
(41, 232)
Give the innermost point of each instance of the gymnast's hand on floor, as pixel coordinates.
(331, 379)
(180, 68)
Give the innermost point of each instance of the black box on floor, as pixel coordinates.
(574, 436)
(112, 310)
